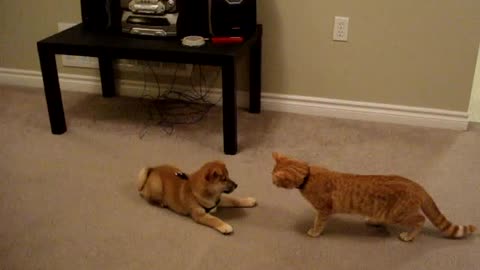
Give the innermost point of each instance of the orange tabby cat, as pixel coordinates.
(383, 199)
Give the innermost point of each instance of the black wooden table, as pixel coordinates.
(110, 46)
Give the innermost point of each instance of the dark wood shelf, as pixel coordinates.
(108, 46)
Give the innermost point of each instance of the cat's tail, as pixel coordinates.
(447, 228)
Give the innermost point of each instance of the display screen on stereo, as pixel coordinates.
(151, 21)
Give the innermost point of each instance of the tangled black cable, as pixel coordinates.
(172, 106)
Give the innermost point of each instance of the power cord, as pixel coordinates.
(172, 106)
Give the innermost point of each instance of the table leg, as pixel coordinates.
(51, 86)
(229, 105)
(107, 76)
(255, 76)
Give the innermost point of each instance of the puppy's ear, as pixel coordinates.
(213, 174)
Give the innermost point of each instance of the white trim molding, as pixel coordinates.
(367, 111)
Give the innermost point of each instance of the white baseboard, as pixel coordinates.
(367, 111)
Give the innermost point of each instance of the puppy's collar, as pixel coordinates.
(207, 210)
(305, 181)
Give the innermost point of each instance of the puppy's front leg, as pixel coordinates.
(202, 217)
(230, 201)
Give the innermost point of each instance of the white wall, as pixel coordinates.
(474, 109)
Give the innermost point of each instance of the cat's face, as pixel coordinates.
(288, 173)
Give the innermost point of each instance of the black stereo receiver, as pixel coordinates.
(207, 18)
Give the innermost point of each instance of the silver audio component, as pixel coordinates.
(148, 32)
(151, 25)
(152, 6)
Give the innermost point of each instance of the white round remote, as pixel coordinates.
(193, 41)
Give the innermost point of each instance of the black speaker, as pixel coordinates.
(101, 15)
(216, 17)
(233, 17)
(192, 18)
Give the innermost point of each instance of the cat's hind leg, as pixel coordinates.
(415, 222)
(318, 224)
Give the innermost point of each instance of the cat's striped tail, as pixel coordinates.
(440, 221)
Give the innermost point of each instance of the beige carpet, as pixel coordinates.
(69, 202)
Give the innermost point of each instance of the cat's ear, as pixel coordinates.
(279, 175)
(276, 156)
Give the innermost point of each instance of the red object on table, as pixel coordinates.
(226, 40)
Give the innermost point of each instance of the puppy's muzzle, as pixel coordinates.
(230, 186)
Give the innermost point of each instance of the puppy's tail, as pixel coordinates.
(142, 178)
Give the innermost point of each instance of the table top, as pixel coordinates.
(77, 36)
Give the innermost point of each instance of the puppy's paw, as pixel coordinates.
(225, 229)
(313, 233)
(249, 202)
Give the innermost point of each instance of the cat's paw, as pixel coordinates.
(249, 202)
(313, 233)
(225, 229)
(406, 237)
